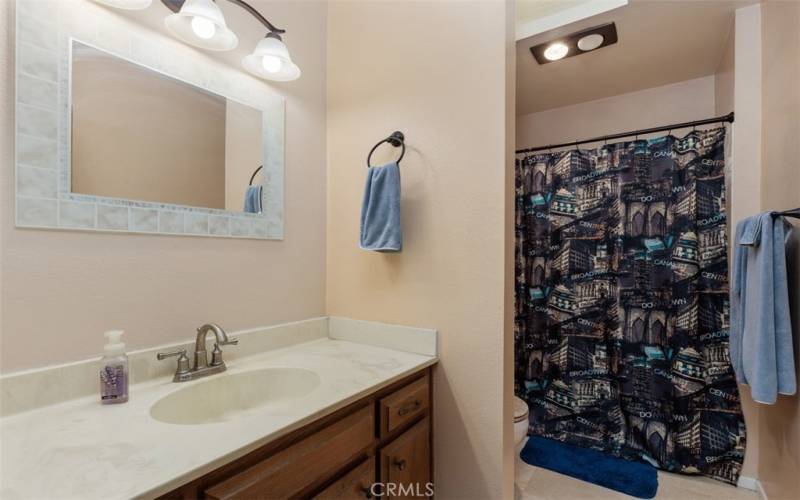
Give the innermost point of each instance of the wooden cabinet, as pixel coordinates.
(294, 471)
(405, 468)
(356, 484)
(377, 446)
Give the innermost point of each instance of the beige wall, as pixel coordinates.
(437, 72)
(741, 59)
(678, 102)
(779, 425)
(59, 290)
(142, 136)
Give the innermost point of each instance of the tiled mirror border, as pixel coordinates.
(44, 32)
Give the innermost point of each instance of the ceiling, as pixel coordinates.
(538, 16)
(660, 42)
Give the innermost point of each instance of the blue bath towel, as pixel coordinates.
(380, 210)
(761, 331)
(252, 200)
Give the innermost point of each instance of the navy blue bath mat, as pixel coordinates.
(632, 478)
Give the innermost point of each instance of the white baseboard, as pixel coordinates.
(751, 483)
(748, 483)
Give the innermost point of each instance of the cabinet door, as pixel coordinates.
(406, 463)
(355, 485)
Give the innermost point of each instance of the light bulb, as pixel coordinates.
(271, 64)
(203, 28)
(590, 42)
(556, 51)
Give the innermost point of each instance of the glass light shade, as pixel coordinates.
(126, 4)
(198, 33)
(270, 60)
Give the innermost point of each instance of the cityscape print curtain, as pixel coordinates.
(621, 330)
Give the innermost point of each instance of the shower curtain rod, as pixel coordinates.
(718, 119)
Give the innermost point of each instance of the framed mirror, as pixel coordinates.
(139, 140)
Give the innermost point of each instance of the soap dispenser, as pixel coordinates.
(114, 371)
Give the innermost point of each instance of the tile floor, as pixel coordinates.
(534, 483)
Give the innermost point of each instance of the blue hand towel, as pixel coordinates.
(252, 200)
(761, 333)
(380, 210)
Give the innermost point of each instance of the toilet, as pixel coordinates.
(520, 422)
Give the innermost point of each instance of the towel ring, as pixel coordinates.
(397, 139)
(254, 175)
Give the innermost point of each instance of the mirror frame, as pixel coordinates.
(44, 35)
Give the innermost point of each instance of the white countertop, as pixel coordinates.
(82, 449)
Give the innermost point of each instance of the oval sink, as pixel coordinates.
(224, 397)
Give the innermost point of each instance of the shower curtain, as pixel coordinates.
(621, 330)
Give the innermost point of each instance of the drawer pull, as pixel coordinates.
(400, 464)
(406, 409)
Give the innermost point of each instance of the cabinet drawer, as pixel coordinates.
(404, 405)
(406, 462)
(295, 470)
(354, 485)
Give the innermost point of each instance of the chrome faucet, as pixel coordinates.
(201, 366)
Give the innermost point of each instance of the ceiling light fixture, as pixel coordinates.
(575, 43)
(126, 4)
(556, 51)
(202, 24)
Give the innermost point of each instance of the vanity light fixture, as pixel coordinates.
(127, 4)
(269, 60)
(575, 43)
(202, 24)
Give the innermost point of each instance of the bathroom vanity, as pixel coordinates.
(326, 407)
(356, 452)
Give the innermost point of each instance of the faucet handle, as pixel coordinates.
(183, 360)
(230, 341)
